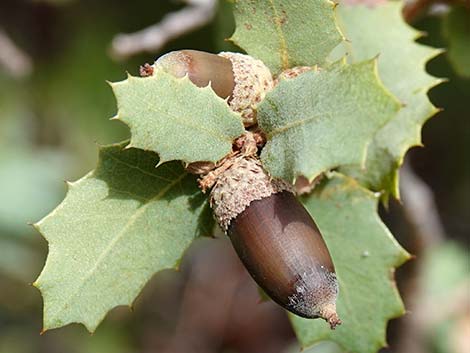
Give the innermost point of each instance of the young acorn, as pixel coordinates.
(238, 77)
(276, 239)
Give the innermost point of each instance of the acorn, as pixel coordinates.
(276, 239)
(238, 77)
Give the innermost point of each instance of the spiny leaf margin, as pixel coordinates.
(176, 119)
(323, 119)
(114, 230)
(401, 66)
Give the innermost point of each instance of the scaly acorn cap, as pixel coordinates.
(252, 81)
(242, 183)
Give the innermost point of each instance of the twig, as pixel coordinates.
(420, 207)
(16, 62)
(427, 232)
(173, 25)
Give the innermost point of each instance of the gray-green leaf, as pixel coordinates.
(116, 228)
(176, 119)
(284, 33)
(323, 119)
(401, 64)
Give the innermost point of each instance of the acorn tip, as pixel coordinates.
(330, 316)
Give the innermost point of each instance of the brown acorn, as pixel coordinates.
(276, 239)
(238, 77)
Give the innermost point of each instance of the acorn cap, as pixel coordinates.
(252, 81)
(242, 183)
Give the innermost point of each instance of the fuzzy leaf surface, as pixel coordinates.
(365, 254)
(401, 65)
(175, 118)
(116, 228)
(284, 33)
(456, 27)
(323, 119)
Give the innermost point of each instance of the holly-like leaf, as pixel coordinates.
(285, 33)
(175, 118)
(401, 64)
(456, 27)
(365, 254)
(116, 228)
(323, 119)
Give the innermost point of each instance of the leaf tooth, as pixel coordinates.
(117, 84)
(161, 161)
(438, 81)
(70, 184)
(35, 225)
(129, 146)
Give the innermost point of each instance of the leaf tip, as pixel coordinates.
(441, 80)
(35, 225)
(90, 328)
(160, 162)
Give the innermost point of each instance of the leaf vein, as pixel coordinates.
(136, 167)
(284, 55)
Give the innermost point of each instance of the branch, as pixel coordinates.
(16, 62)
(420, 207)
(153, 38)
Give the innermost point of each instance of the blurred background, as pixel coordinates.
(55, 58)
